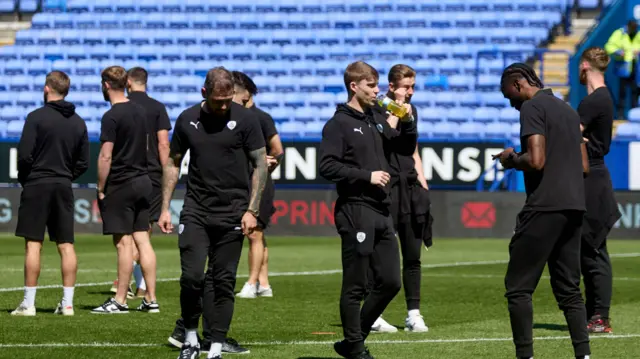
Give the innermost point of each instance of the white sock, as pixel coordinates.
(216, 350)
(137, 274)
(192, 337)
(67, 298)
(414, 313)
(29, 296)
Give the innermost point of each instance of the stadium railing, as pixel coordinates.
(537, 54)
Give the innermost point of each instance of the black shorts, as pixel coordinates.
(125, 207)
(155, 203)
(46, 205)
(267, 209)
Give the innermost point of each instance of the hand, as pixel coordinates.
(400, 94)
(585, 140)
(100, 195)
(380, 178)
(503, 154)
(504, 157)
(164, 222)
(271, 162)
(249, 223)
(424, 185)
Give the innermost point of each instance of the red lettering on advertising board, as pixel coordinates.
(300, 212)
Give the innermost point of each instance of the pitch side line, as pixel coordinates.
(327, 272)
(302, 342)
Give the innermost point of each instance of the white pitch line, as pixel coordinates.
(309, 342)
(320, 272)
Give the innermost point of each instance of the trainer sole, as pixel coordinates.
(175, 342)
(92, 312)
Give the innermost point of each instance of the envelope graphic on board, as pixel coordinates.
(478, 215)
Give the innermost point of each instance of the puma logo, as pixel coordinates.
(195, 124)
(358, 130)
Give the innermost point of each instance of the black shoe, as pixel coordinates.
(231, 346)
(342, 348)
(189, 352)
(177, 337)
(364, 355)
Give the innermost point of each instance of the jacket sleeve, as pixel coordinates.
(332, 166)
(25, 149)
(613, 45)
(402, 140)
(82, 154)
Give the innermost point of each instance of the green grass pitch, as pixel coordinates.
(462, 288)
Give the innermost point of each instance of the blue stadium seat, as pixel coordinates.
(509, 115)
(15, 126)
(628, 131)
(497, 130)
(93, 129)
(469, 100)
(295, 51)
(634, 115)
(7, 99)
(460, 115)
(471, 131)
(435, 115)
(486, 115)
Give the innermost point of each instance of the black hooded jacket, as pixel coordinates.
(355, 144)
(54, 146)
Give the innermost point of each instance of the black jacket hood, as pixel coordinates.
(345, 109)
(67, 109)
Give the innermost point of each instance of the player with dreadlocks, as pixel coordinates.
(553, 160)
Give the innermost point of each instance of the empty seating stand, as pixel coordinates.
(295, 50)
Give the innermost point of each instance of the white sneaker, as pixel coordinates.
(68, 310)
(249, 291)
(381, 326)
(24, 311)
(415, 324)
(265, 292)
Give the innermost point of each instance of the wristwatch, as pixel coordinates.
(254, 213)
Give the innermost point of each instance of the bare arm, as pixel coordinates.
(170, 176)
(534, 158)
(259, 178)
(163, 147)
(419, 169)
(277, 152)
(104, 164)
(585, 158)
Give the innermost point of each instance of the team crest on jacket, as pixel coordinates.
(361, 236)
(379, 127)
(231, 125)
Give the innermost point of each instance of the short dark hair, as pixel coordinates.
(218, 79)
(59, 82)
(519, 71)
(115, 76)
(399, 72)
(243, 80)
(138, 75)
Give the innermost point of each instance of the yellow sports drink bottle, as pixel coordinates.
(392, 106)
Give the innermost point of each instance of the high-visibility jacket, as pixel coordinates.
(622, 50)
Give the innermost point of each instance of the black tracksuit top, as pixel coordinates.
(355, 144)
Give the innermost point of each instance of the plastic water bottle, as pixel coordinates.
(391, 106)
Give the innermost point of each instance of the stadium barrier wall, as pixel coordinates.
(448, 165)
(300, 212)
